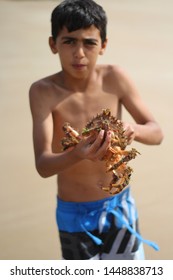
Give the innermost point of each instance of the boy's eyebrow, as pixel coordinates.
(68, 38)
(91, 40)
(74, 38)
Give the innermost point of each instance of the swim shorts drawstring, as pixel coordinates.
(122, 222)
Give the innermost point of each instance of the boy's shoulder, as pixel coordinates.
(41, 92)
(115, 77)
(114, 74)
(112, 70)
(43, 87)
(42, 84)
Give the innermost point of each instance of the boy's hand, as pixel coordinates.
(93, 147)
(129, 132)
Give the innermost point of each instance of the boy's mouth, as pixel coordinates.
(79, 66)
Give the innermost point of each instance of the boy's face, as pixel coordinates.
(78, 50)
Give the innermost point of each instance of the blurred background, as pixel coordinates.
(140, 37)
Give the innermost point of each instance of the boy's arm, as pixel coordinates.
(146, 130)
(47, 162)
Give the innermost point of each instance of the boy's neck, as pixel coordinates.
(76, 84)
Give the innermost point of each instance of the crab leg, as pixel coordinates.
(69, 129)
(132, 154)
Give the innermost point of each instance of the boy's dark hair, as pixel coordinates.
(77, 14)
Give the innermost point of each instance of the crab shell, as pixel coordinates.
(105, 121)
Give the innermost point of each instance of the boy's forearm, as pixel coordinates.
(149, 133)
(49, 164)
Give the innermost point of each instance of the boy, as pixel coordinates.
(92, 224)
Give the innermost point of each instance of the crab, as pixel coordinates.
(116, 157)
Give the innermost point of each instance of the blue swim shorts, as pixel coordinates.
(104, 229)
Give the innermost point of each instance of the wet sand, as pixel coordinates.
(141, 41)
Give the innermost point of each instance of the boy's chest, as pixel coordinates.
(78, 108)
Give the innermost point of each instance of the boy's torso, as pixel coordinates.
(83, 181)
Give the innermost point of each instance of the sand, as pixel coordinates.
(141, 41)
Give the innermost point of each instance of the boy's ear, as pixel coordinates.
(103, 47)
(52, 45)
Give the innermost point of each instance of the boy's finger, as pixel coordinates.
(90, 139)
(103, 149)
(97, 143)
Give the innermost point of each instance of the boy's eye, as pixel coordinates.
(85, 42)
(68, 42)
(90, 42)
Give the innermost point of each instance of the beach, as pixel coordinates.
(140, 40)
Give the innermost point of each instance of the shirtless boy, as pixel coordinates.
(92, 224)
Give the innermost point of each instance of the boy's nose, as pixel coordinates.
(79, 52)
